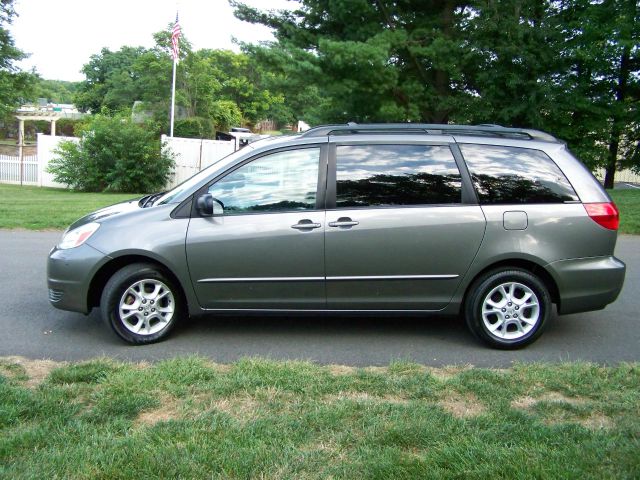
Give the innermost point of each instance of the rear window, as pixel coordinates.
(503, 175)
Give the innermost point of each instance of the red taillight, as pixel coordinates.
(604, 214)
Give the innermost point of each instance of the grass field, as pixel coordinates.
(189, 418)
(45, 208)
(628, 202)
(38, 208)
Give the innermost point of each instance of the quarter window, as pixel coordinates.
(503, 175)
(386, 175)
(281, 181)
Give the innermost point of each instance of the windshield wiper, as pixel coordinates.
(150, 199)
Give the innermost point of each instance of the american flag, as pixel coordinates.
(175, 43)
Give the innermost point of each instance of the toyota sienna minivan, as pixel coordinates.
(495, 224)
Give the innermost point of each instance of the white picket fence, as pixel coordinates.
(16, 172)
(192, 155)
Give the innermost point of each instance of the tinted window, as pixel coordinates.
(281, 181)
(375, 175)
(516, 175)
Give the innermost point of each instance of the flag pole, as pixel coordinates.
(175, 51)
(173, 97)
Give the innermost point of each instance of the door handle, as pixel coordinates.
(306, 225)
(344, 222)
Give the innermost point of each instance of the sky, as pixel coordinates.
(61, 35)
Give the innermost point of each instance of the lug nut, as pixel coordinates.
(151, 302)
(510, 304)
(144, 301)
(517, 308)
(504, 309)
(507, 316)
(153, 310)
(139, 309)
(515, 315)
(146, 313)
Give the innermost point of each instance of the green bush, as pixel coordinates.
(226, 114)
(113, 154)
(194, 127)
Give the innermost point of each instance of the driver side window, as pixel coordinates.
(282, 181)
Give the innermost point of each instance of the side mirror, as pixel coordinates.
(208, 206)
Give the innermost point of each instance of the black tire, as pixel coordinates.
(507, 332)
(141, 277)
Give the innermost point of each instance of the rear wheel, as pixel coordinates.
(508, 308)
(141, 303)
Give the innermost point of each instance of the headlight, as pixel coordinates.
(77, 236)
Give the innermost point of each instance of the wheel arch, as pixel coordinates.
(528, 265)
(106, 271)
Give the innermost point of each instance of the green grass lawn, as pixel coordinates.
(44, 208)
(189, 418)
(628, 202)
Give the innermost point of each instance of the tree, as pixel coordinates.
(111, 80)
(15, 85)
(211, 85)
(377, 60)
(55, 91)
(597, 85)
(622, 74)
(511, 59)
(290, 74)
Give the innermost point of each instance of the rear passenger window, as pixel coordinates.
(504, 175)
(381, 175)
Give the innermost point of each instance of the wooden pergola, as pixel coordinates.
(22, 117)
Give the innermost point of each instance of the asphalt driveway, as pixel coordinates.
(30, 327)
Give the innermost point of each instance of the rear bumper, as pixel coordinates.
(587, 284)
(69, 273)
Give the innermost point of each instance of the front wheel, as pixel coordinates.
(141, 303)
(508, 308)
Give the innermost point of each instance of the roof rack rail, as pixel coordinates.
(430, 129)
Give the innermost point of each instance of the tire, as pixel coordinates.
(507, 308)
(141, 303)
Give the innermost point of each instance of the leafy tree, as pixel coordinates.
(225, 114)
(377, 60)
(111, 80)
(15, 85)
(511, 61)
(209, 77)
(218, 85)
(621, 72)
(55, 91)
(289, 73)
(113, 154)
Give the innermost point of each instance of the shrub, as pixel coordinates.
(194, 127)
(113, 154)
(226, 114)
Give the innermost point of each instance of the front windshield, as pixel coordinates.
(199, 177)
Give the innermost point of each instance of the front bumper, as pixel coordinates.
(69, 274)
(587, 284)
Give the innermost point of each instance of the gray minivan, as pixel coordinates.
(494, 223)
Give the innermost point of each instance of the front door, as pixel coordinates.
(267, 250)
(398, 235)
